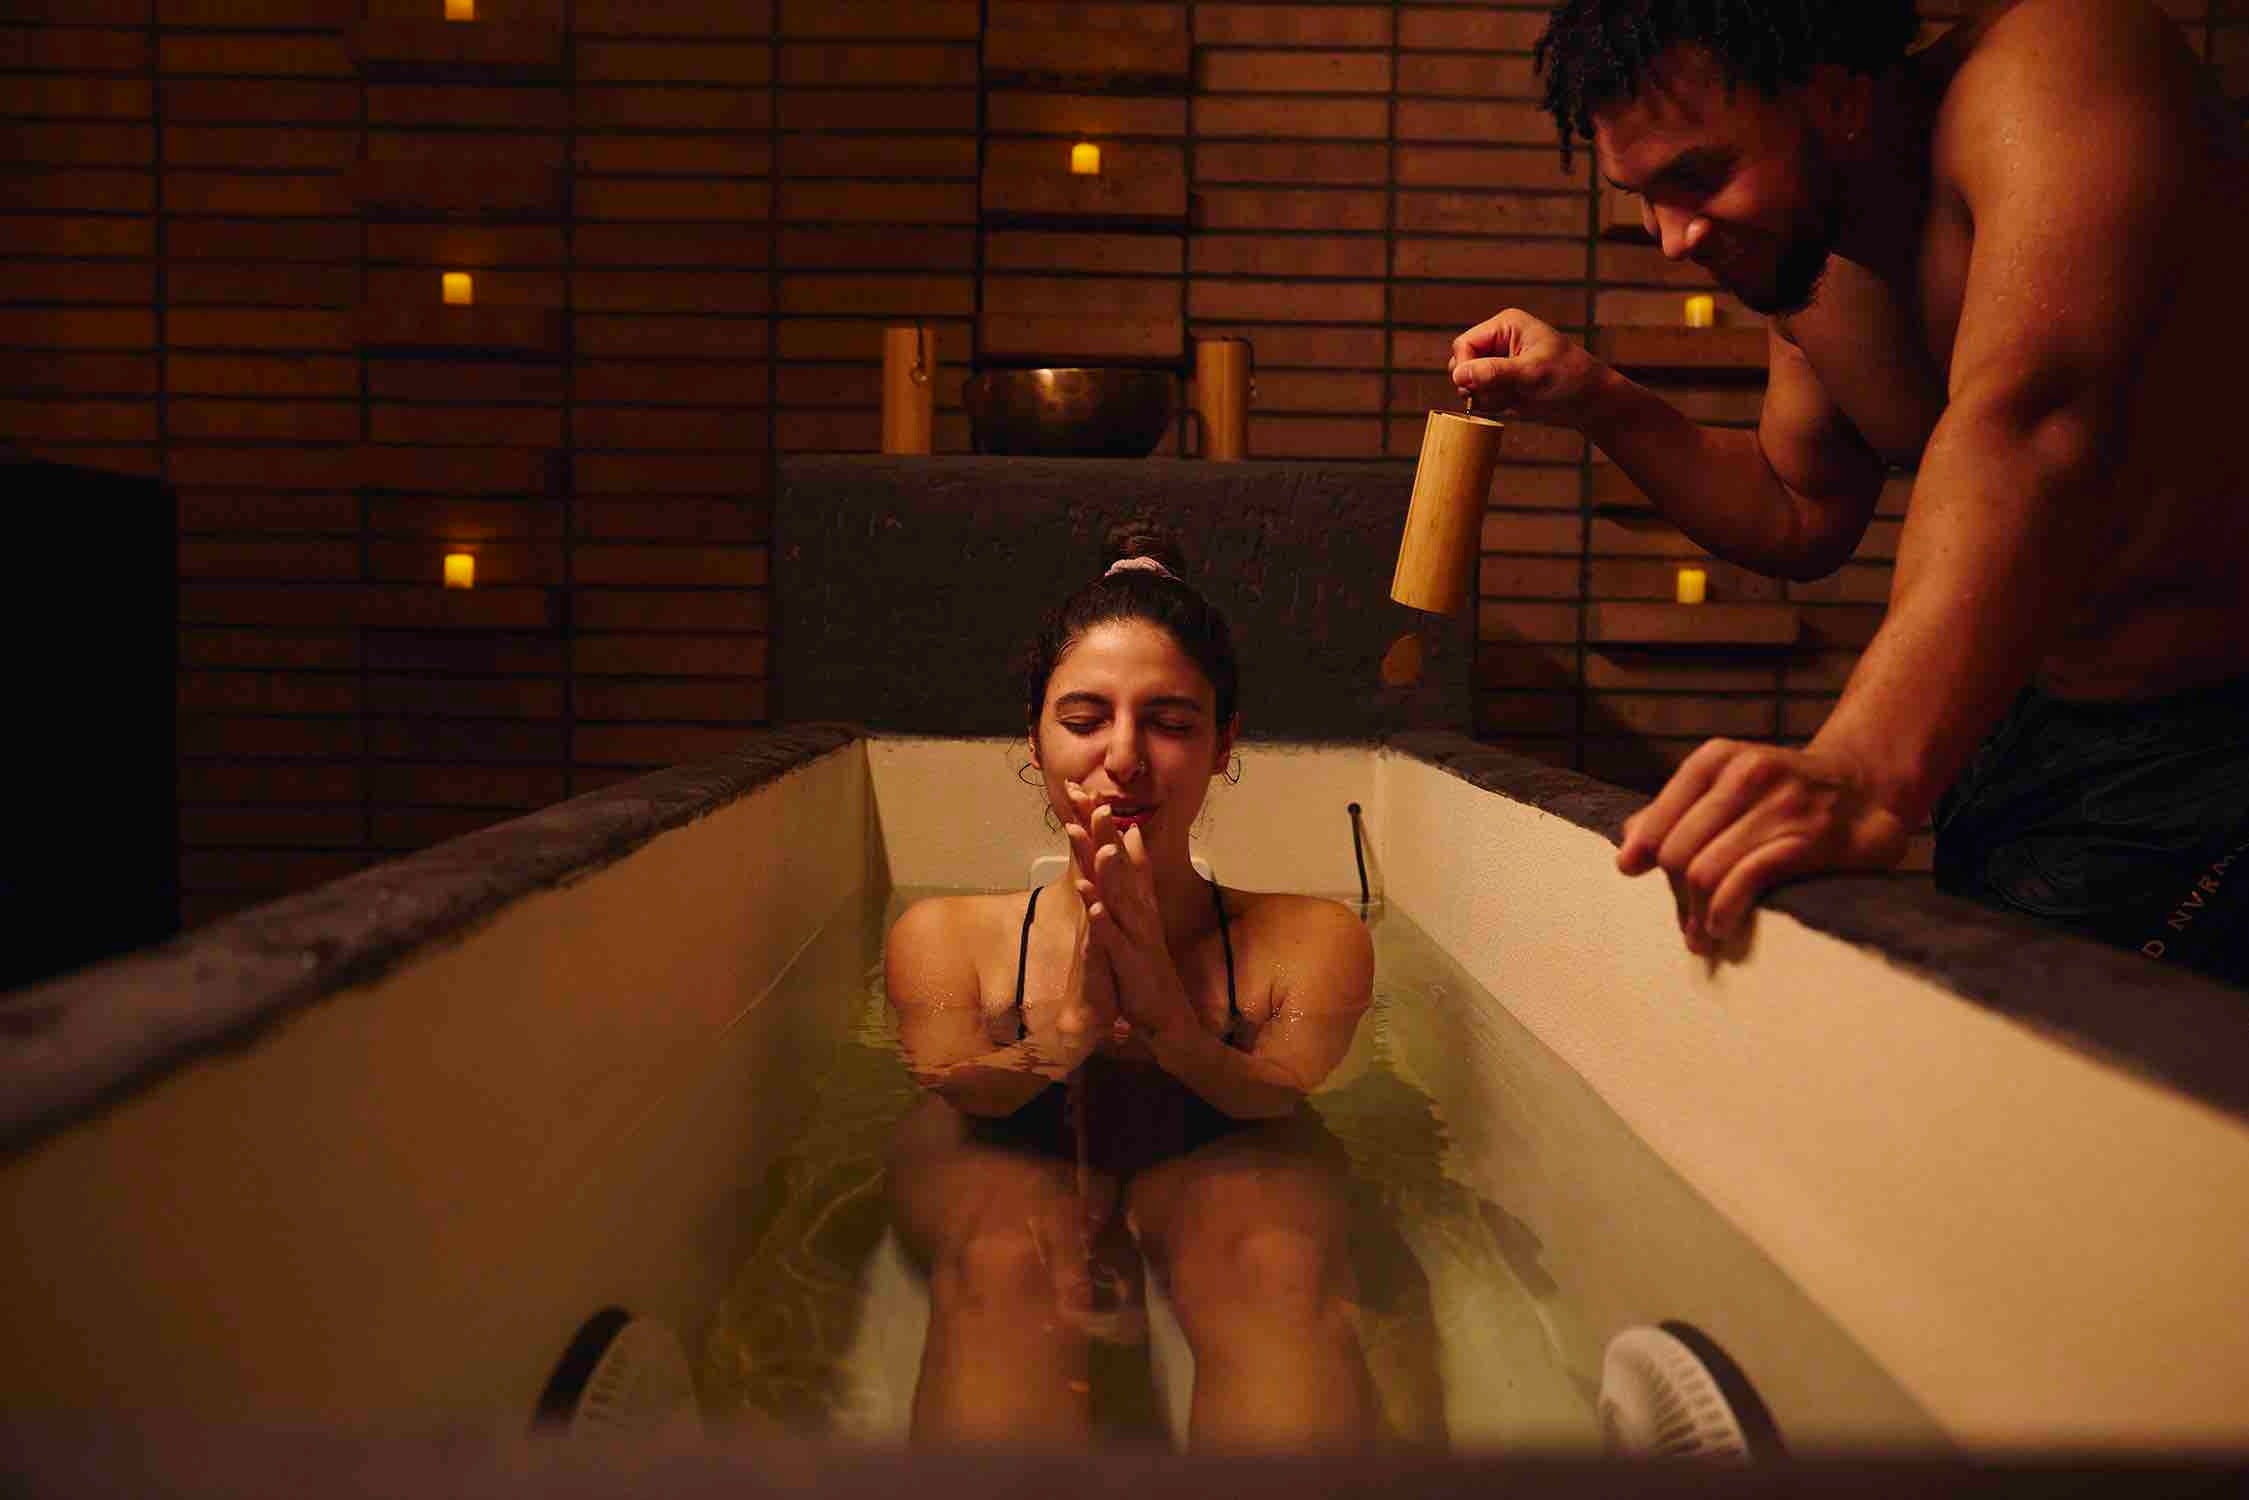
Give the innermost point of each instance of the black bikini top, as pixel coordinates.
(1225, 938)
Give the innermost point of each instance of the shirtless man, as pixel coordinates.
(2011, 261)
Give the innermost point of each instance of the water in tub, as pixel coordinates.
(1468, 1340)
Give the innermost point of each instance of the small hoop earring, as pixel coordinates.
(1233, 771)
(1028, 775)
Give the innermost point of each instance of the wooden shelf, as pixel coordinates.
(412, 468)
(1140, 184)
(491, 332)
(457, 187)
(1089, 60)
(1156, 224)
(1702, 352)
(1703, 626)
(1014, 339)
(456, 51)
(419, 607)
(1180, 365)
(1099, 84)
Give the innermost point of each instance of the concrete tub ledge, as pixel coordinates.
(68, 1044)
(231, 1462)
(2170, 1027)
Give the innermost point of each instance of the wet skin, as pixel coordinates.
(1124, 983)
(2029, 298)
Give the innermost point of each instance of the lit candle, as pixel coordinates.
(1702, 310)
(460, 10)
(460, 570)
(460, 290)
(1693, 582)
(1085, 159)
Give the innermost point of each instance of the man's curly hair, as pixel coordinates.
(1594, 53)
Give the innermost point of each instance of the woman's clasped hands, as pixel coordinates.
(1083, 1022)
(1116, 882)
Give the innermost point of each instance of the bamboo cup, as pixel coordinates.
(909, 387)
(1445, 522)
(1222, 390)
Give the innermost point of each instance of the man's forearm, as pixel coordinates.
(1713, 483)
(2002, 532)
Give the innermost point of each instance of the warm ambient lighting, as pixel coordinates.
(460, 290)
(460, 10)
(1693, 583)
(1085, 159)
(1702, 311)
(460, 570)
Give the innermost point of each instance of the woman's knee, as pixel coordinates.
(1281, 1272)
(993, 1268)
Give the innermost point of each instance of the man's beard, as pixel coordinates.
(1796, 277)
(1796, 280)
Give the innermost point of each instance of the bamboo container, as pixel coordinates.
(1445, 522)
(1222, 391)
(909, 387)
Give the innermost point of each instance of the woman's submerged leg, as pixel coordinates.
(1249, 1233)
(1001, 1232)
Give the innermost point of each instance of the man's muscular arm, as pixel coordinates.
(2069, 144)
(2067, 136)
(1790, 499)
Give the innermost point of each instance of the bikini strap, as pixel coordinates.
(1226, 940)
(1022, 961)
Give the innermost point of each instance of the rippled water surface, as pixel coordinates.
(819, 1333)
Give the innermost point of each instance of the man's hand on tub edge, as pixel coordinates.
(1737, 818)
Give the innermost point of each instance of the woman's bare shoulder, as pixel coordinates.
(957, 920)
(1306, 933)
(1287, 910)
(945, 942)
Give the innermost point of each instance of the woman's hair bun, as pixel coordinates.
(1144, 535)
(1179, 609)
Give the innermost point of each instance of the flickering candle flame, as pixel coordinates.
(460, 289)
(1694, 584)
(1085, 159)
(1702, 311)
(460, 570)
(460, 10)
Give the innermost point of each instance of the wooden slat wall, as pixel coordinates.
(225, 230)
(223, 227)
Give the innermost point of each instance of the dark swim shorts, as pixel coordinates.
(2128, 822)
(1139, 1118)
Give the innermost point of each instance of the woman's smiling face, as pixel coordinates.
(1131, 719)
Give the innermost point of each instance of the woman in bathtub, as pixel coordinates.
(1126, 1052)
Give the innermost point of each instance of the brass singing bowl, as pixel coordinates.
(1082, 413)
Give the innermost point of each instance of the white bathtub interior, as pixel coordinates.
(1931, 1223)
(1517, 1331)
(1909, 1219)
